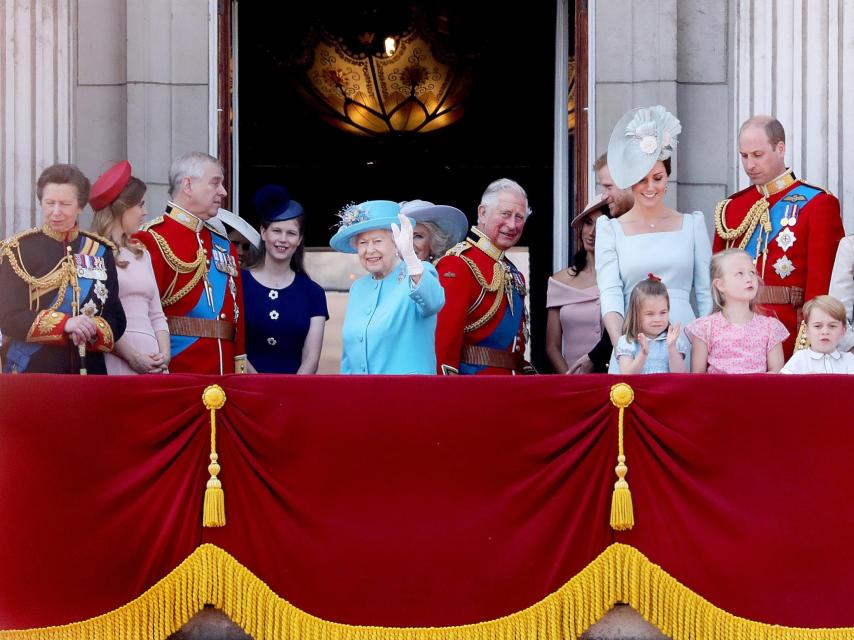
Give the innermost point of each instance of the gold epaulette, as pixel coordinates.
(13, 241)
(104, 241)
(151, 223)
(459, 248)
(815, 186)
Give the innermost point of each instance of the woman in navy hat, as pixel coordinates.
(390, 325)
(118, 201)
(285, 309)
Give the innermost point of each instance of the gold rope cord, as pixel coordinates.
(620, 574)
(180, 267)
(757, 214)
(499, 277)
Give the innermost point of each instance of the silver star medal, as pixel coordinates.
(90, 308)
(784, 267)
(101, 291)
(786, 238)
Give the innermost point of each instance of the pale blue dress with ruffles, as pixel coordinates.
(680, 258)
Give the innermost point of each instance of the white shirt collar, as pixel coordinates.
(815, 355)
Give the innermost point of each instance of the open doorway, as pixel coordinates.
(507, 129)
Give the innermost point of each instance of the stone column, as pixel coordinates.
(36, 101)
(167, 87)
(791, 58)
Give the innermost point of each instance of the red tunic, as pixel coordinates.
(817, 231)
(174, 242)
(472, 317)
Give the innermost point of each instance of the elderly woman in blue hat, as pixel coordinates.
(285, 309)
(438, 227)
(390, 324)
(651, 237)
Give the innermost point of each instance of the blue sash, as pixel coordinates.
(20, 352)
(219, 283)
(801, 196)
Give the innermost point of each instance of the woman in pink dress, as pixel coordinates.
(117, 199)
(574, 324)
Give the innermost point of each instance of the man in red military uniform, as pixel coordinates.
(197, 271)
(483, 327)
(790, 228)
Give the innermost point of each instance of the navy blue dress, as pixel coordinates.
(277, 321)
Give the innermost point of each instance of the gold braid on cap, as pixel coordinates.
(179, 266)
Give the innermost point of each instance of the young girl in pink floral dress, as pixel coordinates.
(735, 339)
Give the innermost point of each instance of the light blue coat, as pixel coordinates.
(390, 327)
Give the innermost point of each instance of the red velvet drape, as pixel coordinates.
(428, 501)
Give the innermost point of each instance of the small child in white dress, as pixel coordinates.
(650, 344)
(826, 323)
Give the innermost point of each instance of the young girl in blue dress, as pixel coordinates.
(650, 344)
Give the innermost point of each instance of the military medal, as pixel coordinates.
(90, 267)
(786, 238)
(784, 267)
(101, 292)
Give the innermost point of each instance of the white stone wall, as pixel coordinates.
(37, 107)
(794, 59)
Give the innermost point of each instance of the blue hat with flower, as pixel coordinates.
(358, 218)
(273, 204)
(642, 137)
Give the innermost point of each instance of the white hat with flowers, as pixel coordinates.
(642, 137)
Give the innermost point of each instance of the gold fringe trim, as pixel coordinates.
(620, 574)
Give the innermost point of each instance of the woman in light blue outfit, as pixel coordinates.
(650, 238)
(390, 324)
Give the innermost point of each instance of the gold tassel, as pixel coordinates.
(802, 342)
(622, 513)
(214, 506)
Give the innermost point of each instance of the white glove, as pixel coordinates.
(403, 241)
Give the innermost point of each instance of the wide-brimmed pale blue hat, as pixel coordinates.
(449, 219)
(642, 137)
(273, 204)
(367, 216)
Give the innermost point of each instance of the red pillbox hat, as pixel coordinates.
(111, 183)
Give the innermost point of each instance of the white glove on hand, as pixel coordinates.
(403, 241)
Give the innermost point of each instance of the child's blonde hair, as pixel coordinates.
(830, 305)
(716, 268)
(645, 289)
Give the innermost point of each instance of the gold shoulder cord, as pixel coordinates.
(179, 266)
(758, 214)
(499, 278)
(58, 278)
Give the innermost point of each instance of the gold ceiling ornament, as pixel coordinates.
(405, 86)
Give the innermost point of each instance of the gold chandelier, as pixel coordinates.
(404, 86)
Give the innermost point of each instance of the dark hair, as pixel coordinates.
(579, 261)
(130, 196)
(256, 258)
(65, 174)
(666, 163)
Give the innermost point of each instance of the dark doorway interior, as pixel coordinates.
(507, 130)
